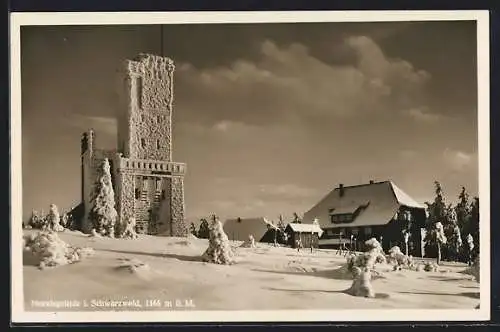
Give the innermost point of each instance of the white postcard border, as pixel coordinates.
(17, 20)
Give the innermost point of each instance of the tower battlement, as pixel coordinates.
(144, 63)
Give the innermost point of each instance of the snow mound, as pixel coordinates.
(135, 267)
(431, 267)
(49, 250)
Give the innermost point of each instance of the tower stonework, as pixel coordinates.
(148, 185)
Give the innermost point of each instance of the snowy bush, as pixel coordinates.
(103, 214)
(250, 243)
(51, 251)
(37, 220)
(399, 259)
(362, 266)
(219, 249)
(53, 220)
(129, 232)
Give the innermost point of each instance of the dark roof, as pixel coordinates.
(372, 204)
(239, 229)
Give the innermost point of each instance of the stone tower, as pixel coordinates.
(148, 185)
(146, 130)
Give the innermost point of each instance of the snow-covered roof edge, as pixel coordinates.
(404, 199)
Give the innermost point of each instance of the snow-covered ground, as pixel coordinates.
(168, 269)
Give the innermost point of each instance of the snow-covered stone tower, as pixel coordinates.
(148, 184)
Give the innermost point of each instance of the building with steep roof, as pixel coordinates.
(376, 209)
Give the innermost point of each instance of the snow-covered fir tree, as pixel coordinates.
(436, 236)
(103, 214)
(219, 250)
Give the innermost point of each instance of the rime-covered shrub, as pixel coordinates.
(51, 251)
(250, 243)
(53, 220)
(103, 215)
(219, 249)
(362, 266)
(129, 231)
(368, 259)
(398, 259)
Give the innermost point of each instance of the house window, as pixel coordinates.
(341, 218)
(367, 231)
(143, 143)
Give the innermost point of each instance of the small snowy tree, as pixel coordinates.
(455, 241)
(219, 250)
(406, 236)
(102, 213)
(437, 211)
(362, 267)
(53, 220)
(250, 243)
(437, 237)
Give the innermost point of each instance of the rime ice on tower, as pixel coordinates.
(219, 251)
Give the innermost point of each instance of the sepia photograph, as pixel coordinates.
(321, 166)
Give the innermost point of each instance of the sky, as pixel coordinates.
(268, 117)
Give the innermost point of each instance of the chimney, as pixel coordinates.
(341, 190)
(372, 182)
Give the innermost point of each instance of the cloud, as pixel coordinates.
(422, 115)
(287, 83)
(458, 160)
